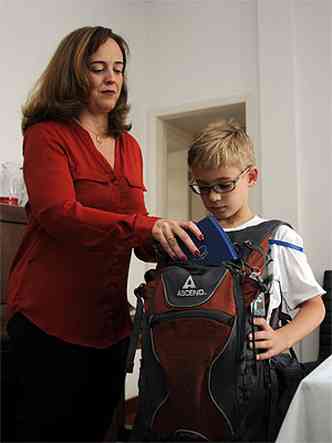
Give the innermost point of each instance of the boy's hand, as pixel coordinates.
(273, 342)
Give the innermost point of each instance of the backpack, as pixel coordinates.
(199, 379)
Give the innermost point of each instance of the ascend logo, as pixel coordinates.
(189, 289)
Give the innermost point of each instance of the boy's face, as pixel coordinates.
(230, 208)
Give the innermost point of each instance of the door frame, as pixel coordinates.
(157, 146)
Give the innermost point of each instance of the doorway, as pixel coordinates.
(175, 131)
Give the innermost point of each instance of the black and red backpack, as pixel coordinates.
(199, 379)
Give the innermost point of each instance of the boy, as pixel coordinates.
(222, 165)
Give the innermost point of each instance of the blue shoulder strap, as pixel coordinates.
(286, 245)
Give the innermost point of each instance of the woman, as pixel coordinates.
(68, 314)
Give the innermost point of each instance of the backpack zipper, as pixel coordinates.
(220, 316)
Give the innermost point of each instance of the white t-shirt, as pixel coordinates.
(291, 271)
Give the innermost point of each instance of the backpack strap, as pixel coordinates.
(255, 234)
(137, 328)
(253, 245)
(142, 294)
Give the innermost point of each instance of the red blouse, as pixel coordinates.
(69, 276)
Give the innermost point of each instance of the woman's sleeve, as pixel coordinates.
(53, 202)
(146, 253)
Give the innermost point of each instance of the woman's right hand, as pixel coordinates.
(166, 231)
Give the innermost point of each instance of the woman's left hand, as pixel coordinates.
(271, 342)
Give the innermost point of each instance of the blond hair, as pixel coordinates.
(62, 90)
(224, 143)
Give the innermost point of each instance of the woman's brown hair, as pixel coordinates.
(62, 90)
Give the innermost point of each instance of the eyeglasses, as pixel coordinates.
(220, 188)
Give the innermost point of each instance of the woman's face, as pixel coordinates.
(105, 73)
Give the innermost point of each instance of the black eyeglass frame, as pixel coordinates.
(197, 189)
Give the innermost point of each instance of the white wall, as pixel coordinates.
(294, 42)
(30, 32)
(295, 112)
(201, 51)
(192, 51)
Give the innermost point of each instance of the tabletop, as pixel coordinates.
(309, 417)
